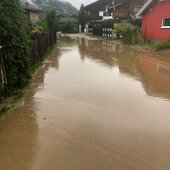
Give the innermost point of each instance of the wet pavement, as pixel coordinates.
(93, 105)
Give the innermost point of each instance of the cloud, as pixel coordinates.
(77, 3)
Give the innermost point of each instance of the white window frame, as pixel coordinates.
(163, 23)
(101, 13)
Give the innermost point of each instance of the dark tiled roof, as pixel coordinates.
(32, 8)
(99, 5)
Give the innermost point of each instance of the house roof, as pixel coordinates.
(99, 5)
(144, 8)
(32, 8)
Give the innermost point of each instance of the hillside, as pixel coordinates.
(61, 7)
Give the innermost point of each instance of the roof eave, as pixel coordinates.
(144, 8)
(33, 9)
(89, 5)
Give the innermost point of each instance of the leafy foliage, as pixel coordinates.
(131, 35)
(14, 35)
(126, 31)
(82, 17)
(48, 23)
(52, 21)
(69, 27)
(40, 27)
(162, 45)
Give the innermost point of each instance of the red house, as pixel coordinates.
(156, 19)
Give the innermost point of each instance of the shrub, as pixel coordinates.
(40, 27)
(14, 38)
(129, 33)
(82, 17)
(51, 19)
(69, 27)
(138, 39)
(162, 45)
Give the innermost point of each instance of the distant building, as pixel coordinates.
(33, 13)
(155, 19)
(113, 9)
(123, 9)
(98, 10)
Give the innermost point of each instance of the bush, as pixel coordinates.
(162, 45)
(156, 45)
(129, 33)
(69, 28)
(40, 27)
(14, 38)
(103, 23)
(82, 17)
(51, 19)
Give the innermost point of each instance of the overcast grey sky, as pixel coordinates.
(77, 3)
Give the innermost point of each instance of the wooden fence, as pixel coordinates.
(40, 45)
(38, 48)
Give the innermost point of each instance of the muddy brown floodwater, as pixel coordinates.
(93, 105)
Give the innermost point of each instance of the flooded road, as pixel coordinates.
(93, 105)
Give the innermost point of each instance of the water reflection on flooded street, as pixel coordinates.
(93, 105)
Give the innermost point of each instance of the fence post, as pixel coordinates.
(1, 82)
(3, 78)
(40, 47)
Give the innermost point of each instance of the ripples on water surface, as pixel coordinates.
(93, 105)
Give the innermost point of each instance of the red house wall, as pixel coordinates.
(152, 21)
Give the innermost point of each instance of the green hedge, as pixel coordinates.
(129, 33)
(14, 37)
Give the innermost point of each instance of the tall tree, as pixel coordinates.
(52, 24)
(52, 21)
(14, 36)
(82, 17)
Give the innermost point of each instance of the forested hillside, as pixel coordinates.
(62, 7)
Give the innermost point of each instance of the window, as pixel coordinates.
(166, 22)
(106, 14)
(101, 13)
